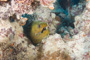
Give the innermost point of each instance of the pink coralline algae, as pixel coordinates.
(21, 6)
(47, 3)
(88, 6)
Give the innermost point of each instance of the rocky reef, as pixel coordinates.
(68, 24)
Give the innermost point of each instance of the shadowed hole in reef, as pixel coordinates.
(27, 26)
(63, 9)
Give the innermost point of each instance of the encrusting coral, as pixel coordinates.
(13, 43)
(53, 48)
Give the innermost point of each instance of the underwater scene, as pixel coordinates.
(44, 29)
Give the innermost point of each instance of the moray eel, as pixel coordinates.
(38, 31)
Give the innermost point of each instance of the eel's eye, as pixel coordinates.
(38, 26)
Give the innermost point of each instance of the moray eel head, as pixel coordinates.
(39, 30)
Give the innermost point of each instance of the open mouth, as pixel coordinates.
(42, 31)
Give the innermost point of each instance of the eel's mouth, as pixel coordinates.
(45, 28)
